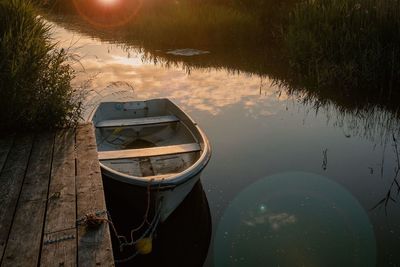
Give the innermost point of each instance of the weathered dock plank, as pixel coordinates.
(26, 231)
(11, 179)
(94, 245)
(61, 206)
(61, 210)
(59, 249)
(46, 184)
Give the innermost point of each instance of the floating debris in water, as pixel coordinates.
(187, 52)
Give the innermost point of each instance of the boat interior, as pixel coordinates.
(149, 139)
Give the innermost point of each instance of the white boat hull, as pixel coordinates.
(172, 198)
(169, 197)
(150, 144)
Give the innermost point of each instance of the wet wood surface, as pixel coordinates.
(48, 184)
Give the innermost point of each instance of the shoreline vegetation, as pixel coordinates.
(35, 77)
(347, 44)
(342, 52)
(345, 51)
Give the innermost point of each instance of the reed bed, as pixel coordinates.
(348, 46)
(191, 25)
(35, 88)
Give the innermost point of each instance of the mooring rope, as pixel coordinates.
(94, 220)
(151, 229)
(146, 214)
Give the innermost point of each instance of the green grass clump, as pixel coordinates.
(348, 46)
(35, 88)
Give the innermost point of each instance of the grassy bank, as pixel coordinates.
(35, 89)
(346, 47)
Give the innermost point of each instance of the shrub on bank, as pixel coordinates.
(35, 88)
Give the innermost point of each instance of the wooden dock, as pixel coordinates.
(48, 183)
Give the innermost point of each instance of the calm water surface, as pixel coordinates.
(288, 184)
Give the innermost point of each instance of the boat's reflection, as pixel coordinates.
(182, 240)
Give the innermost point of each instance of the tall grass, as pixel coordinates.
(35, 89)
(183, 23)
(346, 46)
(195, 25)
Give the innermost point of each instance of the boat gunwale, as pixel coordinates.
(175, 179)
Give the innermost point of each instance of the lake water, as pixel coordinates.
(288, 184)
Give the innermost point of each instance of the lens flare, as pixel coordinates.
(108, 13)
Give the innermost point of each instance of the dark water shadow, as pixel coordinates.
(182, 240)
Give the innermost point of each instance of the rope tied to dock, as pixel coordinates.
(92, 220)
(143, 244)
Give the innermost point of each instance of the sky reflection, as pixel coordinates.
(208, 90)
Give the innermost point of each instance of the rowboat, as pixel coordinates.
(183, 239)
(150, 144)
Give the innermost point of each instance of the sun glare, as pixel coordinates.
(108, 2)
(107, 13)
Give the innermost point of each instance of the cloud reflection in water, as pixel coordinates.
(274, 220)
(202, 90)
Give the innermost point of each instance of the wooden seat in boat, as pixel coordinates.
(137, 121)
(149, 152)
